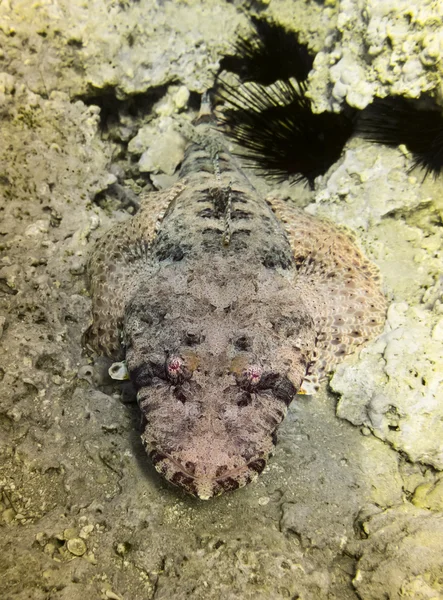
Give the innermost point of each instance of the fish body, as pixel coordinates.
(226, 307)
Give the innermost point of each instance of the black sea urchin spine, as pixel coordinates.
(395, 121)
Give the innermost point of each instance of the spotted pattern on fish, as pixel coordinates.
(224, 307)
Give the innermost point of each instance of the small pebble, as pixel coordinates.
(8, 515)
(181, 97)
(86, 531)
(94, 222)
(90, 557)
(122, 548)
(14, 414)
(49, 549)
(76, 546)
(77, 266)
(264, 500)
(41, 538)
(70, 533)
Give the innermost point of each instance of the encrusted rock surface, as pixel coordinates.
(403, 554)
(127, 46)
(401, 400)
(394, 47)
(86, 89)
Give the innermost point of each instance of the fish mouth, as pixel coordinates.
(206, 487)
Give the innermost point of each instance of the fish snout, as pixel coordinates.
(203, 477)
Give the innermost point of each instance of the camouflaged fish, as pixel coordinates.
(224, 307)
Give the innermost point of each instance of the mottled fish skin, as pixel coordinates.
(225, 314)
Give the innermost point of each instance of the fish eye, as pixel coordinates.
(175, 368)
(179, 367)
(250, 377)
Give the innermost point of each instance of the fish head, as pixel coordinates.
(211, 429)
(212, 390)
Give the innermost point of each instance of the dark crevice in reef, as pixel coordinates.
(120, 120)
(194, 101)
(135, 107)
(118, 196)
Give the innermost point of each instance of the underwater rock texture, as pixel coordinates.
(394, 47)
(127, 46)
(410, 563)
(337, 514)
(401, 400)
